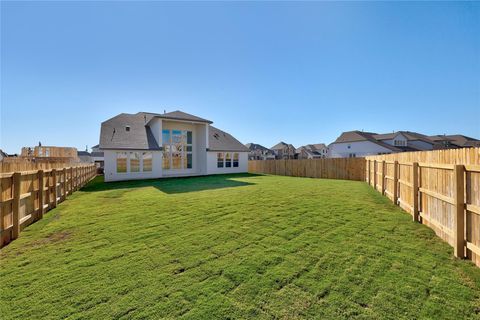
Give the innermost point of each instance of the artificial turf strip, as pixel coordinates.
(238, 246)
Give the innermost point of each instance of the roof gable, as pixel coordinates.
(114, 133)
(176, 115)
(219, 140)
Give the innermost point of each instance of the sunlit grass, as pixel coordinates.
(238, 246)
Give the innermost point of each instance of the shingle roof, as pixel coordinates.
(458, 140)
(83, 153)
(354, 136)
(313, 149)
(114, 134)
(255, 146)
(219, 140)
(97, 154)
(407, 134)
(281, 145)
(176, 115)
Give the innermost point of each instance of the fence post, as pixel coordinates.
(375, 174)
(16, 204)
(77, 179)
(395, 182)
(70, 185)
(459, 199)
(368, 173)
(54, 178)
(384, 166)
(415, 185)
(41, 193)
(64, 193)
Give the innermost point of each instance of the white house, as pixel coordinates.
(360, 144)
(149, 145)
(313, 151)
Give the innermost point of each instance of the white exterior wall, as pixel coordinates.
(360, 148)
(212, 163)
(111, 174)
(204, 162)
(200, 141)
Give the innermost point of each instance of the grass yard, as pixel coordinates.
(238, 246)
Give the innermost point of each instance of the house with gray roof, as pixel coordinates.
(259, 152)
(454, 141)
(359, 143)
(312, 151)
(154, 145)
(284, 150)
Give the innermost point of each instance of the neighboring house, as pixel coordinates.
(84, 156)
(259, 152)
(149, 145)
(284, 150)
(407, 140)
(454, 141)
(2, 155)
(97, 156)
(353, 144)
(360, 144)
(312, 151)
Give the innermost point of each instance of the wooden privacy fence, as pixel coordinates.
(26, 195)
(338, 168)
(440, 189)
(23, 164)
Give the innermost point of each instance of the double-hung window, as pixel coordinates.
(122, 158)
(134, 161)
(228, 160)
(235, 159)
(220, 160)
(147, 161)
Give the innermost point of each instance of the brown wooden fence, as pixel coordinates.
(440, 189)
(339, 168)
(25, 164)
(26, 195)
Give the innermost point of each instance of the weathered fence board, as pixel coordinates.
(26, 195)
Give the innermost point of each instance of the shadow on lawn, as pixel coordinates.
(174, 185)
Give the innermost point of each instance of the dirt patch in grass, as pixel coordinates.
(53, 238)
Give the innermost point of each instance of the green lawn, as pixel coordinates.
(238, 246)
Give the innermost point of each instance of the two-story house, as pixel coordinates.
(359, 143)
(150, 145)
(259, 152)
(312, 151)
(284, 150)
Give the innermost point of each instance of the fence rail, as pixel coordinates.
(440, 189)
(339, 168)
(27, 164)
(26, 195)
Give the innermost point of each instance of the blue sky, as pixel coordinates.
(265, 72)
